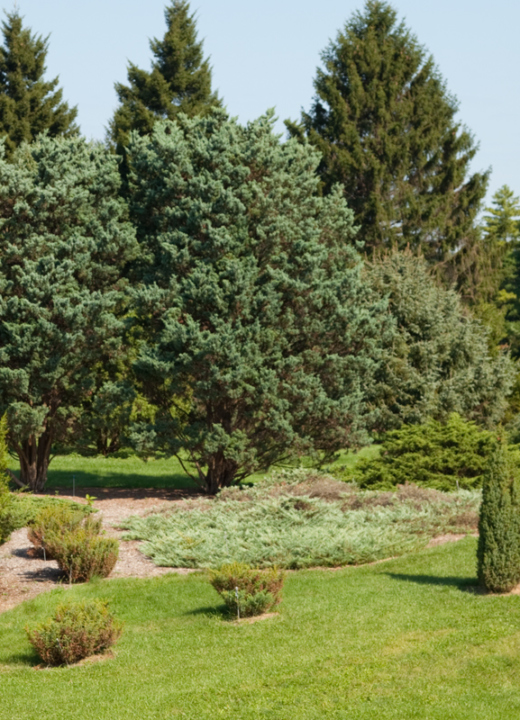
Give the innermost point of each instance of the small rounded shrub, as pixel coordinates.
(76, 631)
(83, 554)
(258, 590)
(55, 520)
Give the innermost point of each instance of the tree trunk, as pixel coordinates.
(221, 473)
(34, 455)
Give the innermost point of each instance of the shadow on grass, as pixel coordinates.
(467, 584)
(26, 659)
(62, 480)
(213, 610)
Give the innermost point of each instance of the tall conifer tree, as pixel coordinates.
(28, 103)
(180, 80)
(385, 124)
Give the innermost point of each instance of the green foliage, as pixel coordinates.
(81, 553)
(498, 555)
(76, 631)
(439, 362)
(299, 520)
(386, 126)
(445, 456)
(180, 81)
(29, 105)
(7, 522)
(258, 590)
(58, 520)
(261, 334)
(66, 240)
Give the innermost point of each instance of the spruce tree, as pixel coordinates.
(386, 127)
(180, 80)
(261, 335)
(29, 104)
(498, 555)
(65, 241)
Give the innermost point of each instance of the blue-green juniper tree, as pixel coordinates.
(64, 241)
(261, 337)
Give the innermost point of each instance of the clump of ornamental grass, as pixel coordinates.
(76, 631)
(248, 591)
(498, 555)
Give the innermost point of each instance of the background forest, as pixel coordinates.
(198, 288)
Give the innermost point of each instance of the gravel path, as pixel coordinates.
(23, 575)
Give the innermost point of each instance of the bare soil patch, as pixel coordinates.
(23, 574)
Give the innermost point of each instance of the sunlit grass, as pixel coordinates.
(405, 639)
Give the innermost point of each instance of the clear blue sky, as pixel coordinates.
(265, 55)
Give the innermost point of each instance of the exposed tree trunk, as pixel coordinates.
(221, 473)
(34, 455)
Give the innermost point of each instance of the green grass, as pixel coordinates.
(401, 640)
(132, 472)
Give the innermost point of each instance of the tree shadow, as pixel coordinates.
(464, 584)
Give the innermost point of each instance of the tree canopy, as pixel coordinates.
(180, 80)
(387, 130)
(261, 335)
(29, 104)
(65, 240)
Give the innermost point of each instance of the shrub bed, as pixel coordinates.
(302, 519)
(83, 554)
(56, 520)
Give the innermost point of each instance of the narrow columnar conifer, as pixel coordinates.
(255, 312)
(498, 555)
(29, 104)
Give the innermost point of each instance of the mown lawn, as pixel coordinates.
(408, 638)
(132, 472)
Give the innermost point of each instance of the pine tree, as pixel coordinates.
(498, 555)
(65, 241)
(440, 361)
(29, 105)
(180, 80)
(385, 124)
(254, 309)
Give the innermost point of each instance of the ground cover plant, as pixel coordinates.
(77, 630)
(408, 639)
(301, 519)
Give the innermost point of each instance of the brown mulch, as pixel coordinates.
(24, 575)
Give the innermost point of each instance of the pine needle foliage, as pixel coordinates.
(180, 81)
(261, 334)
(29, 104)
(387, 130)
(65, 241)
(445, 456)
(440, 361)
(498, 554)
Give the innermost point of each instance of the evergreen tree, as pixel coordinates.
(180, 80)
(439, 362)
(385, 125)
(65, 240)
(29, 105)
(498, 555)
(255, 312)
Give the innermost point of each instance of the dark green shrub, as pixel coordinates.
(258, 590)
(77, 630)
(82, 553)
(442, 456)
(498, 554)
(7, 523)
(58, 519)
